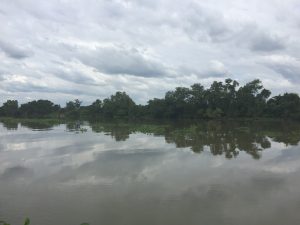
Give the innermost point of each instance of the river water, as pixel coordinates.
(209, 173)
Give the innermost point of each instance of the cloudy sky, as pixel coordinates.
(88, 49)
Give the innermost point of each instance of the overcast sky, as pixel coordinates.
(88, 49)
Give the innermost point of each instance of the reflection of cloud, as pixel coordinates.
(287, 162)
(144, 180)
(87, 181)
(16, 146)
(110, 166)
(17, 172)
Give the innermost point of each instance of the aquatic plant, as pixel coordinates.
(27, 222)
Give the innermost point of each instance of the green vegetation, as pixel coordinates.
(27, 222)
(220, 100)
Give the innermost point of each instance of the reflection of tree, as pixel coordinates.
(10, 124)
(285, 132)
(219, 137)
(38, 124)
(229, 138)
(75, 126)
(121, 131)
(215, 137)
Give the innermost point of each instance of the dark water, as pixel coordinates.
(209, 173)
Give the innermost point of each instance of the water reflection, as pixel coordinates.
(35, 124)
(226, 138)
(15, 173)
(10, 124)
(221, 137)
(121, 173)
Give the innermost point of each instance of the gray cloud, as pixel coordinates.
(29, 88)
(29, 85)
(266, 43)
(141, 47)
(112, 60)
(214, 69)
(72, 75)
(14, 51)
(204, 24)
(285, 65)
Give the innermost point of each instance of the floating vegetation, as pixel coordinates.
(243, 129)
(27, 222)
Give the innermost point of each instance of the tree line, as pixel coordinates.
(221, 100)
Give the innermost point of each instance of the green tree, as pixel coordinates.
(251, 99)
(284, 106)
(95, 109)
(177, 102)
(197, 101)
(10, 108)
(40, 108)
(119, 105)
(72, 108)
(156, 108)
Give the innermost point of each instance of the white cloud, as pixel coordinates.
(88, 49)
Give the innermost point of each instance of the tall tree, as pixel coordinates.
(10, 108)
(119, 105)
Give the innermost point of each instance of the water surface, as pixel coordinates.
(209, 173)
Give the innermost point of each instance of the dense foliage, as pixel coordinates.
(221, 99)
